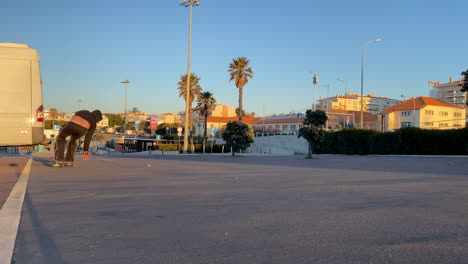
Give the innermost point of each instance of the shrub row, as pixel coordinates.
(405, 141)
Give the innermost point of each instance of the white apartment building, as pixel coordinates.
(449, 92)
(104, 122)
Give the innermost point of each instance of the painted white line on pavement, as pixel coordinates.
(10, 215)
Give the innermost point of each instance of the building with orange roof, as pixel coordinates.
(220, 116)
(219, 123)
(424, 112)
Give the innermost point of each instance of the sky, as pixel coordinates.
(88, 47)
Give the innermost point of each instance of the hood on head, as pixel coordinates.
(97, 115)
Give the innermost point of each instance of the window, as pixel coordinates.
(406, 113)
(293, 127)
(405, 124)
(285, 127)
(429, 112)
(441, 113)
(277, 127)
(429, 124)
(443, 125)
(457, 114)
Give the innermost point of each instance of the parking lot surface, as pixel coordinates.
(246, 209)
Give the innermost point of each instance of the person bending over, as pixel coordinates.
(82, 123)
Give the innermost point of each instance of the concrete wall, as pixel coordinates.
(286, 144)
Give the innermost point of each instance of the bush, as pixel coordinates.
(406, 141)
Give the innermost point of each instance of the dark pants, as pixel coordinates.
(75, 132)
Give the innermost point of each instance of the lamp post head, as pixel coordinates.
(125, 82)
(375, 40)
(187, 3)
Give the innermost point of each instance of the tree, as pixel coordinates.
(114, 120)
(240, 71)
(238, 136)
(464, 85)
(143, 125)
(194, 91)
(53, 114)
(243, 112)
(312, 129)
(206, 103)
(135, 110)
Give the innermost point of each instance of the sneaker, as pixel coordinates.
(56, 165)
(69, 163)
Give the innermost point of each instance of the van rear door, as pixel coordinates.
(19, 76)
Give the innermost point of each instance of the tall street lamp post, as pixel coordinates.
(362, 78)
(126, 82)
(190, 4)
(315, 82)
(79, 103)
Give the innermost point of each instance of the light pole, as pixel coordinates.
(125, 82)
(188, 3)
(362, 78)
(79, 103)
(414, 108)
(345, 90)
(315, 82)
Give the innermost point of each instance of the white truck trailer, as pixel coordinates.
(21, 109)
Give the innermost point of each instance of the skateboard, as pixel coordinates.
(62, 164)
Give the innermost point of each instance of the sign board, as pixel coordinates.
(179, 129)
(213, 129)
(153, 121)
(158, 137)
(179, 134)
(56, 127)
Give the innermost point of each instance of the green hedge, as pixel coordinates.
(406, 141)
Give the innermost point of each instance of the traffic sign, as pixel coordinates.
(179, 129)
(213, 129)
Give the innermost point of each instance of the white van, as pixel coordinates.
(21, 110)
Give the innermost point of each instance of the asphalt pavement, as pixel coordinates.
(245, 209)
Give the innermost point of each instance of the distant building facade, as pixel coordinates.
(169, 118)
(423, 112)
(352, 102)
(449, 92)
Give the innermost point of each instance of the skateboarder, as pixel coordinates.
(82, 123)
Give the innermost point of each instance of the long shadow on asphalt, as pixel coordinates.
(48, 248)
(424, 165)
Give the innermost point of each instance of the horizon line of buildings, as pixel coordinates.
(445, 108)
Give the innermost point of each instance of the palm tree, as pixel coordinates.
(240, 71)
(206, 103)
(194, 91)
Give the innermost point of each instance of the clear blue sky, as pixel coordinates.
(88, 47)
